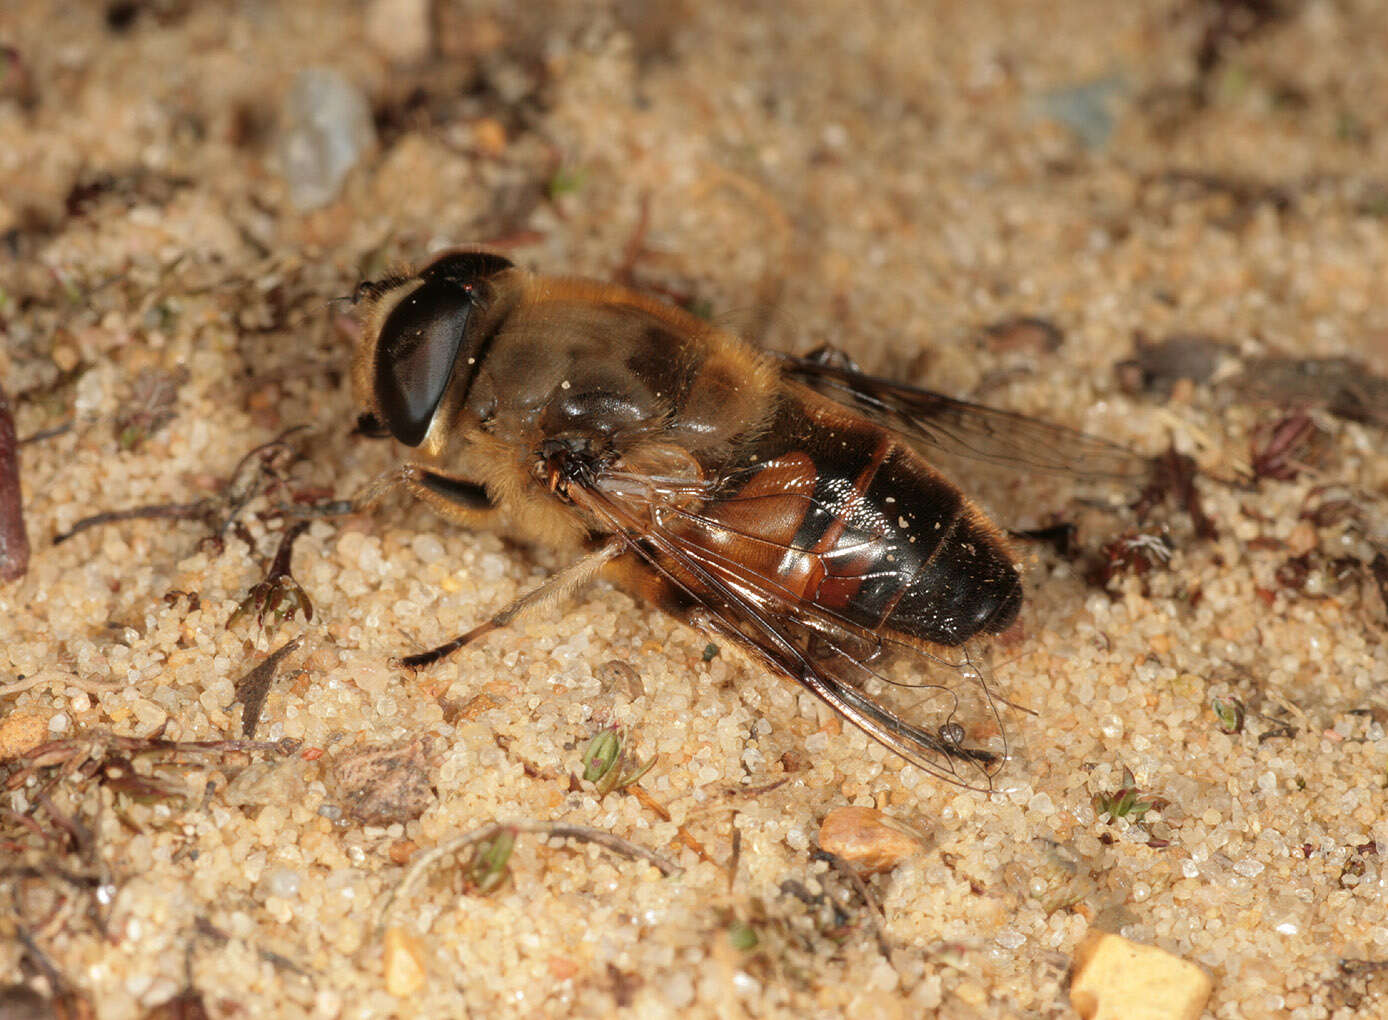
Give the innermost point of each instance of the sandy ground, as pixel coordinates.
(898, 178)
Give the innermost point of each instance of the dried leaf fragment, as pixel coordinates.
(1024, 333)
(1343, 386)
(382, 785)
(253, 688)
(1156, 368)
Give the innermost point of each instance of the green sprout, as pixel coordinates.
(606, 765)
(489, 867)
(1229, 712)
(742, 936)
(567, 180)
(1125, 802)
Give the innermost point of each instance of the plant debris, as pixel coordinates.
(1023, 333)
(1230, 713)
(1379, 569)
(1156, 368)
(1287, 447)
(1126, 802)
(1173, 475)
(424, 861)
(186, 1005)
(278, 594)
(874, 909)
(198, 510)
(1133, 552)
(252, 689)
(381, 785)
(111, 761)
(261, 470)
(1316, 575)
(150, 406)
(206, 929)
(14, 539)
(1343, 386)
(489, 867)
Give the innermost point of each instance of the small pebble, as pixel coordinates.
(1115, 979)
(399, 29)
(404, 963)
(867, 839)
(381, 785)
(327, 128)
(21, 731)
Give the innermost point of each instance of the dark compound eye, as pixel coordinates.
(465, 268)
(420, 340)
(414, 359)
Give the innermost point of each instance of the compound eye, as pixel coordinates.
(415, 356)
(465, 268)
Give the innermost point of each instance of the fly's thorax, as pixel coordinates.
(582, 362)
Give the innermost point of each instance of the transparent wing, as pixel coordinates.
(925, 721)
(937, 422)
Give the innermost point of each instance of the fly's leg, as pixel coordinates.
(832, 357)
(364, 499)
(565, 582)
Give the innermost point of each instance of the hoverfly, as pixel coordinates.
(779, 502)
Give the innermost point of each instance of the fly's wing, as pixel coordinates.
(841, 663)
(940, 423)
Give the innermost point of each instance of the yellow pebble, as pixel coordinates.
(1115, 979)
(21, 731)
(869, 840)
(404, 963)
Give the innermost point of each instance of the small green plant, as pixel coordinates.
(567, 180)
(1229, 712)
(489, 867)
(1125, 802)
(742, 936)
(606, 764)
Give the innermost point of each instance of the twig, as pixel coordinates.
(241, 487)
(757, 791)
(606, 840)
(210, 931)
(874, 908)
(14, 540)
(82, 839)
(42, 434)
(681, 832)
(425, 861)
(165, 511)
(42, 680)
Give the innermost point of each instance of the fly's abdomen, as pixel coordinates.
(846, 518)
(908, 552)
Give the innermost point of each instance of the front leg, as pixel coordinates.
(565, 582)
(456, 500)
